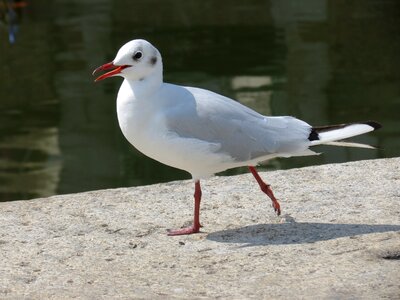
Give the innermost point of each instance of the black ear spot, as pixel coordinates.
(153, 60)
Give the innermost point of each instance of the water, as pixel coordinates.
(322, 61)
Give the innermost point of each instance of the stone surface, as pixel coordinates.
(338, 238)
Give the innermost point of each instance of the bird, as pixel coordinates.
(203, 132)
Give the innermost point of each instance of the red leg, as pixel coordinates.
(196, 221)
(266, 189)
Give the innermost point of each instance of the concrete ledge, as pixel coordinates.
(339, 237)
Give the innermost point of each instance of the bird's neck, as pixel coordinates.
(146, 86)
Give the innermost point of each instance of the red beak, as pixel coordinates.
(109, 66)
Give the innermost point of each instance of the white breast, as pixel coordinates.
(143, 124)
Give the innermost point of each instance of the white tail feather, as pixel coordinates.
(350, 144)
(330, 136)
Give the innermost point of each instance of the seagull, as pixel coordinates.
(202, 132)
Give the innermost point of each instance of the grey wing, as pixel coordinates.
(237, 130)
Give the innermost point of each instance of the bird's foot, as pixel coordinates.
(276, 206)
(183, 231)
(266, 189)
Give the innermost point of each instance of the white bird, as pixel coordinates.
(202, 132)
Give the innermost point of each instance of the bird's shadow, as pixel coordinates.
(295, 233)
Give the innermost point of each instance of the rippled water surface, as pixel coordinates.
(322, 61)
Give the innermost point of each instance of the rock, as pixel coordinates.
(338, 237)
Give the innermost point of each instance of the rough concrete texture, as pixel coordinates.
(338, 238)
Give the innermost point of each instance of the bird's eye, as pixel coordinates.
(137, 55)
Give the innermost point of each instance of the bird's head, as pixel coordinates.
(135, 60)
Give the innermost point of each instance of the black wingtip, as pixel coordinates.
(313, 135)
(373, 124)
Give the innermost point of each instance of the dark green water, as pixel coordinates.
(322, 61)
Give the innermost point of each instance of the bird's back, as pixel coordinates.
(241, 132)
